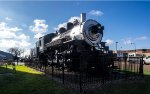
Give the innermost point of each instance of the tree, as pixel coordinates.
(16, 52)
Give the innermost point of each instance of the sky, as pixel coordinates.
(125, 22)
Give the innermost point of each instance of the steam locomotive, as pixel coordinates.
(66, 47)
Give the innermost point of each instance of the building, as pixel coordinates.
(145, 52)
(5, 55)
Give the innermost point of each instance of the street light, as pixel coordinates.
(119, 51)
(116, 46)
(134, 46)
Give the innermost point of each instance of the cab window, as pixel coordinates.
(40, 43)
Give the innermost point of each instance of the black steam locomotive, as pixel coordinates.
(80, 39)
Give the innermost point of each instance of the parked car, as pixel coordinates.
(146, 60)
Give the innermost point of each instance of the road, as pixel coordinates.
(19, 63)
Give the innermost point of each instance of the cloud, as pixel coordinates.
(8, 32)
(141, 38)
(23, 37)
(23, 43)
(27, 52)
(61, 25)
(109, 42)
(71, 19)
(5, 43)
(7, 18)
(5, 27)
(39, 27)
(130, 40)
(127, 41)
(14, 29)
(96, 12)
(38, 35)
(12, 37)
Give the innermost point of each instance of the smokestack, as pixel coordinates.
(83, 17)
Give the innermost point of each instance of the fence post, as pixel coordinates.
(80, 75)
(52, 68)
(80, 83)
(64, 61)
(141, 67)
(131, 66)
(134, 64)
(103, 70)
(125, 63)
(125, 59)
(14, 67)
(138, 65)
(6, 65)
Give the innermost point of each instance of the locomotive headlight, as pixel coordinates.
(95, 29)
(92, 32)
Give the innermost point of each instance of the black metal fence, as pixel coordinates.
(86, 82)
(130, 66)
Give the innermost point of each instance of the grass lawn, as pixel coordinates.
(27, 81)
(129, 87)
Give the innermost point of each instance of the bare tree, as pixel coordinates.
(16, 52)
